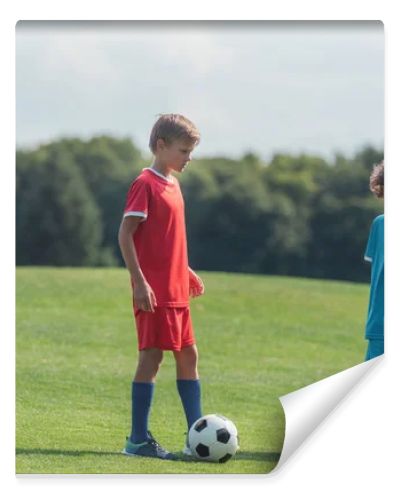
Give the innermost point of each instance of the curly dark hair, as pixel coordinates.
(376, 180)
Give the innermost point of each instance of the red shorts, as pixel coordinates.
(167, 328)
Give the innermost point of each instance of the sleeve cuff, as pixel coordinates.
(135, 214)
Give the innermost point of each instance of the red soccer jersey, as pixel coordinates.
(160, 239)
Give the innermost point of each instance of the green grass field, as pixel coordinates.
(259, 338)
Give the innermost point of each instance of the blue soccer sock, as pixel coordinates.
(142, 395)
(189, 391)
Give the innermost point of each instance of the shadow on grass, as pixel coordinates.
(255, 456)
(258, 456)
(69, 453)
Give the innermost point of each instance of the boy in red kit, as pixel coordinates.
(152, 238)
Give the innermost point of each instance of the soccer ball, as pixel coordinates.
(213, 438)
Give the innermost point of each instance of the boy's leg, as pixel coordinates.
(148, 365)
(142, 392)
(188, 382)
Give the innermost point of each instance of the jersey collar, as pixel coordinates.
(170, 179)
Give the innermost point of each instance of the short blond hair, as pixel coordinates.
(377, 180)
(171, 127)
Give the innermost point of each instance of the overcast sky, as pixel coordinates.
(263, 87)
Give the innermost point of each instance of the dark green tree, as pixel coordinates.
(297, 215)
(57, 219)
(343, 209)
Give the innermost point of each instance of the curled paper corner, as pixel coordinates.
(306, 408)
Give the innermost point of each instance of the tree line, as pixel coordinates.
(295, 215)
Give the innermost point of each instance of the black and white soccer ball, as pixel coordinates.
(213, 438)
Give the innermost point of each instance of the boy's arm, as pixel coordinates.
(143, 294)
(196, 285)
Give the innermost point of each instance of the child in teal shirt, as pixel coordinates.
(374, 331)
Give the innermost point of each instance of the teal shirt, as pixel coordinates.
(374, 253)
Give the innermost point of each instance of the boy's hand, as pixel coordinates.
(196, 285)
(144, 297)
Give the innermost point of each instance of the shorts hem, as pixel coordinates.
(167, 348)
(173, 304)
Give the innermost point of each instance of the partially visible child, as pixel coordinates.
(374, 331)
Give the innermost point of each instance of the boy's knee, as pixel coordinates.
(192, 351)
(186, 363)
(159, 360)
(189, 356)
(156, 358)
(151, 359)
